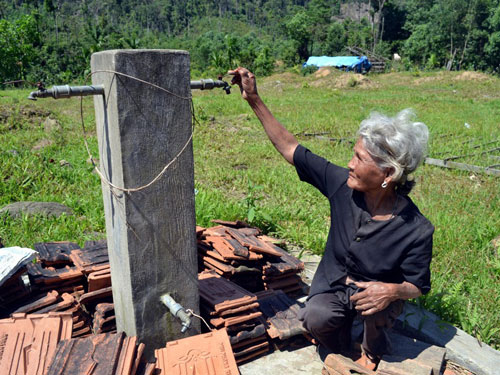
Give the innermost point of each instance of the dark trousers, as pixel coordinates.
(328, 317)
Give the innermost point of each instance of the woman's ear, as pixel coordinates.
(389, 173)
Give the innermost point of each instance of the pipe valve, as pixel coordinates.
(178, 311)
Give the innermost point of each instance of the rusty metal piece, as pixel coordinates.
(55, 253)
(209, 354)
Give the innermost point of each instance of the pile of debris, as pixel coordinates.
(66, 294)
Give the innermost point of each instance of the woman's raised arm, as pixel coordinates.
(281, 138)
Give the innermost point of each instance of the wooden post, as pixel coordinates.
(151, 233)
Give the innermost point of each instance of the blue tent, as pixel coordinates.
(358, 64)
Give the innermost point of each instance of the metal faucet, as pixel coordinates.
(178, 311)
(67, 91)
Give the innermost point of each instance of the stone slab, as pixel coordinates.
(290, 361)
(461, 347)
(407, 348)
(36, 208)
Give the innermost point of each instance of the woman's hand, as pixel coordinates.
(377, 295)
(246, 81)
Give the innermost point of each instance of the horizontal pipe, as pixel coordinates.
(67, 91)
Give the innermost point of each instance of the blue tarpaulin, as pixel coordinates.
(356, 63)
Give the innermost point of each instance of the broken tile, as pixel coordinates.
(234, 224)
(65, 301)
(282, 314)
(93, 257)
(46, 300)
(245, 335)
(209, 354)
(252, 242)
(336, 364)
(96, 295)
(55, 253)
(233, 320)
(50, 275)
(99, 279)
(97, 355)
(252, 355)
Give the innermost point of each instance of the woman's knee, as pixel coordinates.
(317, 316)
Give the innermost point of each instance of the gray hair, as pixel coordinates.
(396, 142)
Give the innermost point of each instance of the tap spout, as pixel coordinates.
(177, 310)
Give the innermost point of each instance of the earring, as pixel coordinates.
(384, 184)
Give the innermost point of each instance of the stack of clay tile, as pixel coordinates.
(227, 306)
(28, 342)
(54, 285)
(108, 353)
(13, 292)
(242, 255)
(54, 269)
(65, 278)
(93, 261)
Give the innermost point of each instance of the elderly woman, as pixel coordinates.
(379, 246)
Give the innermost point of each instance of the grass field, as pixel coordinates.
(239, 175)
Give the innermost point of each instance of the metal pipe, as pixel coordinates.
(67, 91)
(209, 84)
(177, 310)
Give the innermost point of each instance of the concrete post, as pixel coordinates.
(151, 233)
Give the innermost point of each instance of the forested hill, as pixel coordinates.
(52, 40)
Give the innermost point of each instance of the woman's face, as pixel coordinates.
(364, 174)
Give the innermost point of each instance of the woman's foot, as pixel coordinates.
(367, 362)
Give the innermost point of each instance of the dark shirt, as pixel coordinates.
(392, 251)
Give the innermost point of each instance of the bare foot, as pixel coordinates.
(367, 362)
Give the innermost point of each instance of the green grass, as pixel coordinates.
(239, 174)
